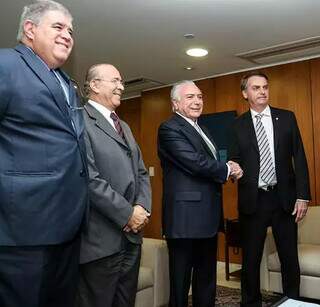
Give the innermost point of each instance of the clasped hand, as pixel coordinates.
(236, 171)
(138, 219)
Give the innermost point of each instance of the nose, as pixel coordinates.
(120, 86)
(65, 34)
(262, 90)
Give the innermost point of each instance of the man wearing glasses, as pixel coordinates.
(120, 197)
(43, 169)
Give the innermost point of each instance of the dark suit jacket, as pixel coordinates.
(43, 179)
(290, 161)
(192, 178)
(118, 180)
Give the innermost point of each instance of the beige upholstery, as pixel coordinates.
(309, 258)
(153, 283)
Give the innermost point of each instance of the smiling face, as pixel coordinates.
(51, 39)
(257, 93)
(190, 103)
(107, 87)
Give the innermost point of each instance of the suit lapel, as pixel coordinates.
(103, 124)
(276, 123)
(209, 136)
(249, 129)
(75, 111)
(192, 131)
(46, 77)
(127, 135)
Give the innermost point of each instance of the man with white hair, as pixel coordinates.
(43, 170)
(192, 198)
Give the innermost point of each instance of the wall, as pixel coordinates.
(294, 86)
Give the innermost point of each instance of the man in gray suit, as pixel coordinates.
(120, 197)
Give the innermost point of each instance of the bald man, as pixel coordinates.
(120, 197)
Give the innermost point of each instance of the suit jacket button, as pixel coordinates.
(82, 173)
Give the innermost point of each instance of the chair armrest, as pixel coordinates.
(269, 248)
(155, 256)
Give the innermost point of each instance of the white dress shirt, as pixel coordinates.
(104, 111)
(266, 121)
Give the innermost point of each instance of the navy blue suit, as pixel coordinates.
(43, 172)
(192, 210)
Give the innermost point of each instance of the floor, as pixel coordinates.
(234, 282)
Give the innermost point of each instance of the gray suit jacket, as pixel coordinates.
(118, 180)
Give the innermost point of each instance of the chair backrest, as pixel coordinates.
(309, 227)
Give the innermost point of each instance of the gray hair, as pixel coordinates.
(36, 11)
(92, 74)
(175, 91)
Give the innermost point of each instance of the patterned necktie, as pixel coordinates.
(73, 116)
(206, 140)
(267, 170)
(117, 124)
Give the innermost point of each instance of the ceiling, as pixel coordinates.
(145, 38)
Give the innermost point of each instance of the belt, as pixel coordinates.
(268, 188)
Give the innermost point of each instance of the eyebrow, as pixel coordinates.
(193, 94)
(62, 25)
(255, 85)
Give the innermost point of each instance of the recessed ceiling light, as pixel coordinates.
(188, 68)
(197, 52)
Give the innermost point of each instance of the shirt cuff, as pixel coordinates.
(229, 170)
(305, 200)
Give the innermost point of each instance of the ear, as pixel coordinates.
(245, 95)
(93, 86)
(28, 29)
(175, 105)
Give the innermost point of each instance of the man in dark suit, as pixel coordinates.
(120, 197)
(42, 164)
(192, 197)
(274, 190)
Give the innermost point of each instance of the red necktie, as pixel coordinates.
(117, 124)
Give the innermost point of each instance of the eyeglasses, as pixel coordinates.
(115, 81)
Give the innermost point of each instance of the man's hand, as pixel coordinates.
(300, 209)
(138, 220)
(236, 171)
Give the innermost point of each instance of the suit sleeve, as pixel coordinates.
(300, 163)
(103, 198)
(174, 146)
(144, 195)
(233, 146)
(4, 91)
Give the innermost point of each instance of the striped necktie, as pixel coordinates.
(267, 169)
(117, 124)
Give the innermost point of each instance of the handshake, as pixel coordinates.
(236, 171)
(138, 219)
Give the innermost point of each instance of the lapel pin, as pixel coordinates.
(277, 118)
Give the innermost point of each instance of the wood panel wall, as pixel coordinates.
(294, 86)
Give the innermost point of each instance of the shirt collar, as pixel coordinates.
(265, 112)
(44, 63)
(190, 121)
(102, 109)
